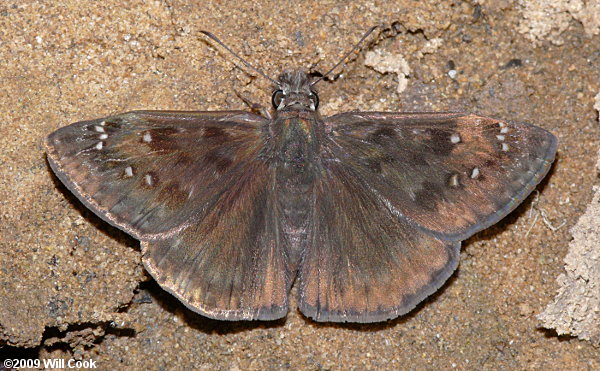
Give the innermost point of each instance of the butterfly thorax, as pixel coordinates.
(297, 127)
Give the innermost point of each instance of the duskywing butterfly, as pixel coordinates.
(365, 209)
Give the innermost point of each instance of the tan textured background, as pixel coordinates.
(71, 286)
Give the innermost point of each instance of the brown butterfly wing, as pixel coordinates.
(192, 188)
(154, 172)
(232, 264)
(364, 263)
(397, 194)
(450, 173)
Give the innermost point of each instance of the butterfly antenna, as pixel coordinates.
(214, 38)
(347, 54)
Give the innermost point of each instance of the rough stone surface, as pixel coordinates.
(548, 19)
(384, 62)
(73, 287)
(576, 308)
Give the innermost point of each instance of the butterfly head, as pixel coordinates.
(294, 92)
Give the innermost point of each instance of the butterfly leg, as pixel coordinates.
(255, 107)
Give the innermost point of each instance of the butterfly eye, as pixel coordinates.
(315, 99)
(277, 98)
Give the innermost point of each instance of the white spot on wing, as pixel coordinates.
(455, 138)
(99, 128)
(102, 123)
(505, 147)
(99, 145)
(103, 136)
(129, 171)
(504, 130)
(147, 138)
(148, 179)
(454, 181)
(500, 137)
(474, 173)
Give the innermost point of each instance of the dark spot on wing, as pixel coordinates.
(174, 193)
(387, 159)
(373, 165)
(490, 163)
(160, 139)
(416, 158)
(428, 196)
(220, 158)
(380, 135)
(440, 142)
(162, 132)
(215, 135)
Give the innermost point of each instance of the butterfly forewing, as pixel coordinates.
(452, 174)
(151, 172)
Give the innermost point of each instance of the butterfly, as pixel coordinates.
(365, 211)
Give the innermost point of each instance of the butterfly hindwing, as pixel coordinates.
(450, 173)
(232, 264)
(363, 263)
